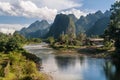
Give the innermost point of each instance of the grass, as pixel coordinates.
(15, 66)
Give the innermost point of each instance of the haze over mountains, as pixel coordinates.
(92, 24)
(36, 29)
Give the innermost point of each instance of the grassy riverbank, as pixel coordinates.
(17, 66)
(15, 62)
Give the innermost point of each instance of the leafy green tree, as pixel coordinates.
(11, 42)
(51, 40)
(21, 39)
(3, 37)
(13, 45)
(113, 32)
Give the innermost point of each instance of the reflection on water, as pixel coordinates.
(112, 70)
(64, 62)
(75, 67)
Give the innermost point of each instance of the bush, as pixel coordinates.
(12, 45)
(108, 45)
(3, 46)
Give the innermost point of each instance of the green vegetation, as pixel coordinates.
(62, 34)
(11, 42)
(66, 41)
(15, 66)
(15, 62)
(51, 40)
(113, 31)
(34, 40)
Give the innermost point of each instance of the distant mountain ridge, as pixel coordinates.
(99, 27)
(36, 29)
(85, 23)
(92, 24)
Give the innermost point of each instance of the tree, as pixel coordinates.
(62, 38)
(2, 46)
(113, 31)
(11, 42)
(51, 40)
(81, 37)
(19, 38)
(13, 45)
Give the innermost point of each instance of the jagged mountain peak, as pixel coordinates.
(107, 13)
(84, 23)
(62, 24)
(98, 12)
(73, 17)
(68, 24)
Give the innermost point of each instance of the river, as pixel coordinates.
(74, 67)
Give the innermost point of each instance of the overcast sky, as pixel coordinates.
(21, 13)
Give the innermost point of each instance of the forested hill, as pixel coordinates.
(62, 24)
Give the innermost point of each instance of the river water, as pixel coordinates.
(74, 67)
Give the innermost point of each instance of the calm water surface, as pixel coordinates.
(74, 67)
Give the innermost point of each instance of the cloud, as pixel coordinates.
(27, 9)
(76, 12)
(7, 8)
(60, 4)
(6, 31)
(11, 28)
(43, 9)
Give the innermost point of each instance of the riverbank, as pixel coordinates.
(20, 65)
(88, 51)
(31, 56)
(95, 52)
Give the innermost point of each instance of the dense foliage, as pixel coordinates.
(113, 32)
(15, 66)
(15, 62)
(11, 42)
(66, 42)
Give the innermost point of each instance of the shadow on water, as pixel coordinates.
(63, 62)
(112, 70)
(82, 60)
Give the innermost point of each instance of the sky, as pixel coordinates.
(15, 14)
